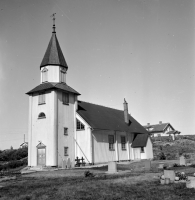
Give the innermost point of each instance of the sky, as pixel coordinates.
(140, 50)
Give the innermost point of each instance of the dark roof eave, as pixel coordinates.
(43, 90)
(155, 131)
(54, 65)
(53, 88)
(68, 91)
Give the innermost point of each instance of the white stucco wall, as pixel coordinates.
(50, 130)
(149, 149)
(83, 141)
(94, 146)
(29, 130)
(144, 155)
(53, 73)
(122, 154)
(137, 153)
(66, 118)
(42, 129)
(101, 152)
(130, 137)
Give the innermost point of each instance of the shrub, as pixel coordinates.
(13, 164)
(176, 165)
(88, 174)
(187, 156)
(15, 154)
(170, 156)
(162, 156)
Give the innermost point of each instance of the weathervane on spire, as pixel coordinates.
(53, 15)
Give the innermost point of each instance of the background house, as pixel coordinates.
(161, 129)
(24, 145)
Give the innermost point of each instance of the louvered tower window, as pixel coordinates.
(44, 75)
(41, 98)
(63, 75)
(65, 98)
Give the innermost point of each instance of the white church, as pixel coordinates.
(61, 127)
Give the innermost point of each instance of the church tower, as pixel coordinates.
(52, 111)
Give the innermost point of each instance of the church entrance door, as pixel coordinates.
(137, 153)
(41, 157)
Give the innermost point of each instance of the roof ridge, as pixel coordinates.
(157, 124)
(100, 105)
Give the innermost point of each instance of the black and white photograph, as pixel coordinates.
(97, 99)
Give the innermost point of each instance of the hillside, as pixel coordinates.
(166, 148)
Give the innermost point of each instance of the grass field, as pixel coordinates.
(71, 184)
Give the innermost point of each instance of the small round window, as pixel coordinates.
(42, 115)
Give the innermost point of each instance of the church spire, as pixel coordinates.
(53, 54)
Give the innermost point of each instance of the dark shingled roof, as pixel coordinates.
(49, 85)
(104, 118)
(100, 117)
(53, 54)
(140, 140)
(158, 127)
(173, 132)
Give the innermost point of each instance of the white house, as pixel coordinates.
(61, 127)
(161, 129)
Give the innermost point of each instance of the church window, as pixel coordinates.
(142, 149)
(44, 75)
(66, 151)
(63, 75)
(111, 142)
(41, 98)
(80, 126)
(65, 131)
(65, 98)
(41, 115)
(123, 142)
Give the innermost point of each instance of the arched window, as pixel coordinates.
(44, 75)
(41, 115)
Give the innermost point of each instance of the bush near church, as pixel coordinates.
(13, 158)
(13, 164)
(15, 154)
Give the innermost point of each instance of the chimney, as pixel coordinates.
(160, 122)
(126, 114)
(148, 124)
